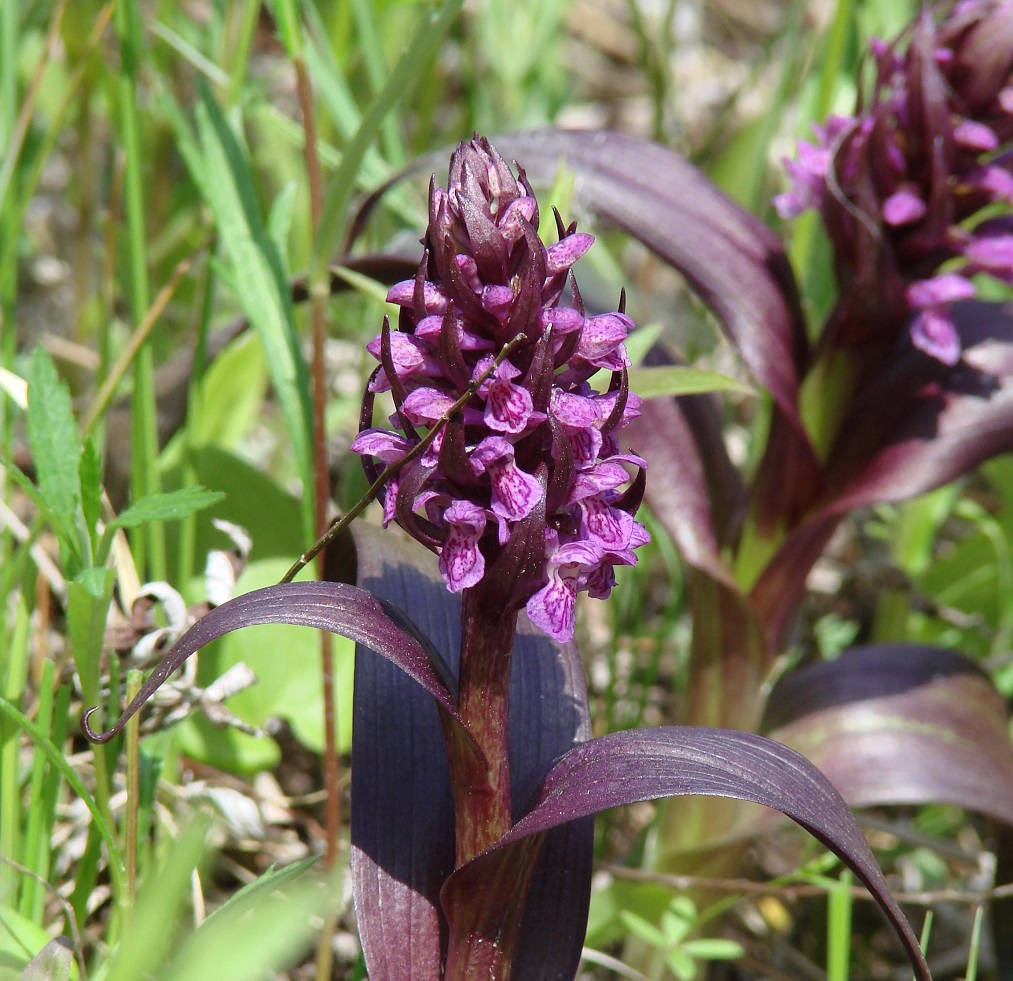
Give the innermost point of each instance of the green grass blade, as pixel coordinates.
(155, 920)
(650, 383)
(256, 272)
(37, 829)
(144, 478)
(56, 758)
(839, 929)
(421, 48)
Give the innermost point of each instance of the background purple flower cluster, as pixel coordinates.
(523, 488)
(902, 184)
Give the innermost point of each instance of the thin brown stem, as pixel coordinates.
(318, 300)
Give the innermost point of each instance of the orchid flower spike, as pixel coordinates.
(523, 491)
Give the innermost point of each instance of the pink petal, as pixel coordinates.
(566, 252)
(902, 208)
(575, 412)
(551, 609)
(602, 335)
(975, 136)
(403, 294)
(461, 561)
(940, 289)
(933, 332)
(606, 525)
(514, 492)
(426, 405)
(508, 407)
(382, 444)
(562, 320)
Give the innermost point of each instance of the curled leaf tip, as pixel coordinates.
(99, 737)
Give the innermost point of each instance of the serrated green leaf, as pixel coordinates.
(57, 521)
(167, 506)
(53, 437)
(651, 383)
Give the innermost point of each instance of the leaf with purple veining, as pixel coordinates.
(900, 724)
(637, 765)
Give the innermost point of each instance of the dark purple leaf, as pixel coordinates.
(402, 808)
(781, 586)
(693, 488)
(402, 812)
(923, 425)
(646, 764)
(900, 724)
(917, 427)
(337, 607)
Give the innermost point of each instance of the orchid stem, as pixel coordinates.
(482, 804)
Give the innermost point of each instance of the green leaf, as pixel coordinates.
(55, 443)
(156, 915)
(272, 880)
(56, 759)
(258, 932)
(286, 15)
(713, 949)
(167, 506)
(88, 598)
(648, 932)
(57, 520)
(20, 939)
(681, 964)
(651, 383)
(90, 471)
(279, 221)
(424, 42)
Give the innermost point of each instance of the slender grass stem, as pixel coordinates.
(135, 347)
(241, 48)
(149, 544)
(130, 840)
(16, 658)
(319, 291)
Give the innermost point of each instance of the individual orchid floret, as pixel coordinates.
(522, 487)
(902, 186)
(461, 561)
